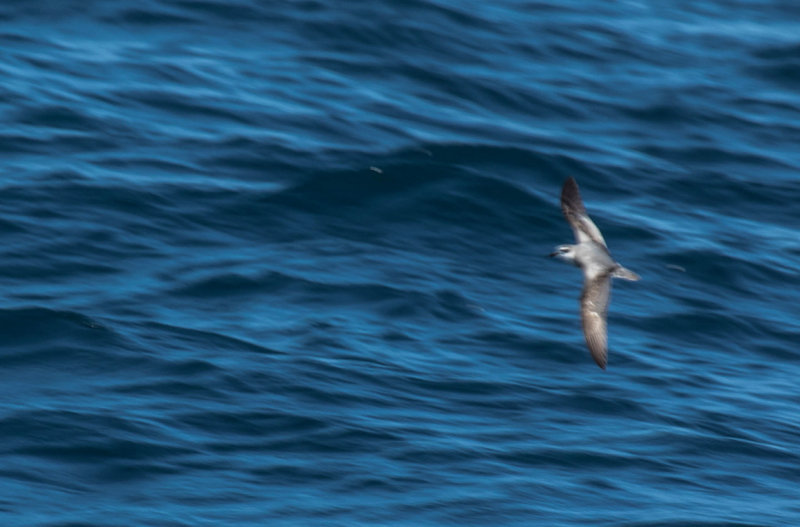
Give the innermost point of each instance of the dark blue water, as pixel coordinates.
(284, 263)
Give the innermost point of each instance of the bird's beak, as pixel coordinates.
(552, 255)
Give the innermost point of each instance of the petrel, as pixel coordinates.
(591, 254)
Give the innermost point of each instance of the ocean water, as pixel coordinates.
(284, 263)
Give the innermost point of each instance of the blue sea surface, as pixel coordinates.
(285, 263)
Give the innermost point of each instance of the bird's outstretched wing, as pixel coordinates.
(594, 309)
(575, 212)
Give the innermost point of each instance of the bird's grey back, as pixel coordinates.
(593, 259)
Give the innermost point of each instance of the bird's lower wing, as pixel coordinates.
(594, 309)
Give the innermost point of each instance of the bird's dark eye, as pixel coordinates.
(564, 249)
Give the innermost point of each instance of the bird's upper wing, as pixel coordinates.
(594, 308)
(575, 212)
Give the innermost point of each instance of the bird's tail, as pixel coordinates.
(625, 274)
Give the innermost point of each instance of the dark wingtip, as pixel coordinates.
(570, 183)
(600, 355)
(600, 360)
(570, 194)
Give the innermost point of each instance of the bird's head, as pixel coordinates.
(565, 252)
